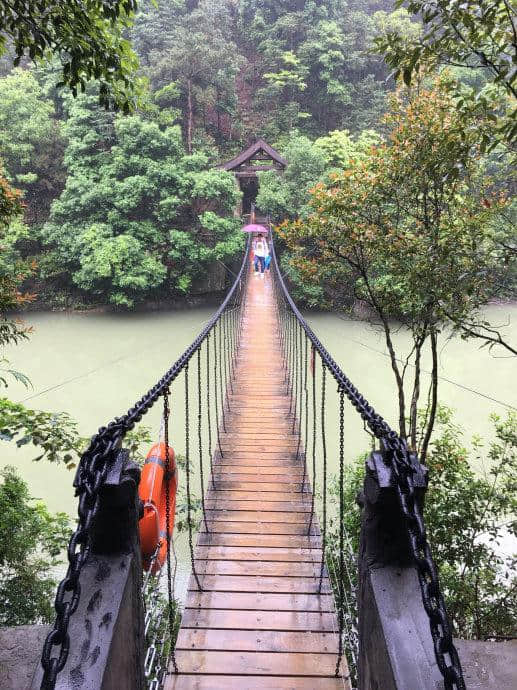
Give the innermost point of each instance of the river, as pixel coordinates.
(95, 365)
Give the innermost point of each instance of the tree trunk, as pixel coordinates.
(434, 395)
(413, 410)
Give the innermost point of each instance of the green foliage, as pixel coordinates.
(340, 148)
(31, 146)
(54, 434)
(31, 541)
(478, 35)
(88, 37)
(469, 518)
(137, 214)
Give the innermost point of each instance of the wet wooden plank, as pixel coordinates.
(235, 527)
(260, 641)
(218, 514)
(280, 569)
(281, 585)
(198, 682)
(267, 540)
(256, 663)
(258, 620)
(252, 504)
(230, 553)
(251, 601)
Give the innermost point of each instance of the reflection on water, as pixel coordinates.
(94, 366)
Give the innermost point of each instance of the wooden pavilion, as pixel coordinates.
(258, 157)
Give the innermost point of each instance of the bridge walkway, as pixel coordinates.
(259, 621)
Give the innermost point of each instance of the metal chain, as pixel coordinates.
(295, 377)
(313, 360)
(306, 406)
(216, 396)
(397, 455)
(341, 525)
(221, 374)
(209, 411)
(200, 440)
(171, 602)
(324, 453)
(187, 472)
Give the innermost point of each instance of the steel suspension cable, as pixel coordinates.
(171, 602)
(187, 472)
(216, 395)
(341, 525)
(313, 368)
(200, 440)
(209, 411)
(324, 454)
(306, 416)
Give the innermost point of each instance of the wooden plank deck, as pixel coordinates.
(259, 621)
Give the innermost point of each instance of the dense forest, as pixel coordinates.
(120, 209)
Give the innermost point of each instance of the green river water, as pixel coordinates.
(94, 366)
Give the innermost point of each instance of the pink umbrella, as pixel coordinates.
(254, 228)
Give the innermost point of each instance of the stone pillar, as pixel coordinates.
(107, 631)
(395, 646)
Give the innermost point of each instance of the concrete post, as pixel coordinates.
(107, 630)
(395, 646)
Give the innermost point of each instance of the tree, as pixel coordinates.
(32, 148)
(477, 35)
(137, 216)
(200, 58)
(31, 542)
(87, 37)
(412, 229)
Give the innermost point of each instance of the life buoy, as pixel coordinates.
(152, 492)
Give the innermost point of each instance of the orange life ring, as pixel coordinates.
(152, 491)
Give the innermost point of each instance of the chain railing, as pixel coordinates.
(221, 333)
(300, 344)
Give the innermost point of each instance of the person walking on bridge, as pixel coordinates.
(261, 250)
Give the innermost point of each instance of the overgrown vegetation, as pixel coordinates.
(31, 547)
(470, 519)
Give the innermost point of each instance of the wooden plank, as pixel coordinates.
(235, 527)
(276, 479)
(267, 540)
(253, 504)
(257, 516)
(251, 601)
(255, 663)
(258, 620)
(263, 641)
(234, 468)
(261, 487)
(198, 682)
(278, 569)
(239, 583)
(234, 494)
(231, 553)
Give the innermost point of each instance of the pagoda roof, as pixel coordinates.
(259, 149)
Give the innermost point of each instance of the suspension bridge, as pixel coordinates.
(271, 597)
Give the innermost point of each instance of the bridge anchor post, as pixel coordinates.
(107, 631)
(395, 645)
